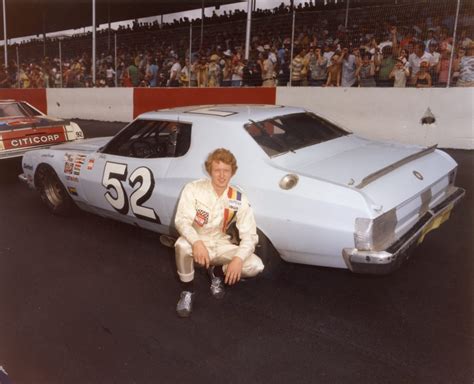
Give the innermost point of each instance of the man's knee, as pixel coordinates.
(182, 247)
(252, 266)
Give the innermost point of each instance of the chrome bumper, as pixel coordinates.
(387, 261)
(22, 177)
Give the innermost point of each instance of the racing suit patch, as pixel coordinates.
(201, 218)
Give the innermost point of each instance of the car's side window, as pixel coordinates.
(151, 139)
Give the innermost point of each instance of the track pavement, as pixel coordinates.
(87, 300)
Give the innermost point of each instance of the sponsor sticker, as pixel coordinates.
(90, 164)
(235, 204)
(72, 178)
(201, 218)
(72, 191)
(73, 163)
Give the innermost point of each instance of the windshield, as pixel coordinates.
(286, 133)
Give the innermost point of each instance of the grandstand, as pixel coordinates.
(363, 27)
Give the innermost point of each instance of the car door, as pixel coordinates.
(126, 179)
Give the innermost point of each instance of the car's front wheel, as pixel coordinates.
(52, 192)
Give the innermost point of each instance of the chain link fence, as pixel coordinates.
(324, 43)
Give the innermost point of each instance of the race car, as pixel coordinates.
(321, 195)
(23, 127)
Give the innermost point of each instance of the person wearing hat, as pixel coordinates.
(201, 69)
(400, 73)
(267, 70)
(227, 69)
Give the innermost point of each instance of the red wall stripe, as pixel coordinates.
(149, 99)
(36, 97)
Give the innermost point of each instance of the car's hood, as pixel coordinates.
(346, 160)
(85, 145)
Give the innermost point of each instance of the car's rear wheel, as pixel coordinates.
(271, 259)
(52, 192)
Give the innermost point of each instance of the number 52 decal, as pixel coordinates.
(114, 175)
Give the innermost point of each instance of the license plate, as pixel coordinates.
(436, 223)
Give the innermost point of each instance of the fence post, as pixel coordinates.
(453, 45)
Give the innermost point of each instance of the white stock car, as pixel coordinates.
(23, 127)
(321, 195)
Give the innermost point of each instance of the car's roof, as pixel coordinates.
(222, 112)
(8, 101)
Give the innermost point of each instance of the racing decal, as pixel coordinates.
(33, 137)
(90, 164)
(235, 200)
(201, 218)
(72, 191)
(73, 163)
(115, 174)
(75, 179)
(27, 166)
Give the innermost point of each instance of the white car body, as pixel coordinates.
(357, 203)
(23, 127)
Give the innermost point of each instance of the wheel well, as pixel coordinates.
(38, 169)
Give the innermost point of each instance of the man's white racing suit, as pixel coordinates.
(202, 215)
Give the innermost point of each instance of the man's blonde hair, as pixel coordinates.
(224, 155)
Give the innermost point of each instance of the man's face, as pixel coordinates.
(221, 174)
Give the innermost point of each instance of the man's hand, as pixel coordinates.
(201, 254)
(234, 270)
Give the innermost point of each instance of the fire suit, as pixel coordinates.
(202, 215)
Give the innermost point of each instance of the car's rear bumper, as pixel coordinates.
(386, 261)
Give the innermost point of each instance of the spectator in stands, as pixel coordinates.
(334, 72)
(400, 73)
(152, 73)
(4, 79)
(466, 68)
(365, 71)
(298, 69)
(349, 65)
(110, 76)
(434, 61)
(442, 69)
(174, 71)
(423, 77)
(133, 74)
(201, 68)
(227, 69)
(318, 67)
(387, 61)
(267, 70)
(213, 71)
(237, 71)
(415, 59)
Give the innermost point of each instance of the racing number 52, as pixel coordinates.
(114, 175)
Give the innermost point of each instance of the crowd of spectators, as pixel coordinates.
(392, 51)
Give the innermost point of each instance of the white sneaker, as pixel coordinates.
(185, 304)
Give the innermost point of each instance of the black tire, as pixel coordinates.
(272, 261)
(52, 191)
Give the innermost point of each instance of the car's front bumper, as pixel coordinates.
(386, 261)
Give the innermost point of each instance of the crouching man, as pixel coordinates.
(206, 210)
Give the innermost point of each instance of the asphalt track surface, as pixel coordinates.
(87, 300)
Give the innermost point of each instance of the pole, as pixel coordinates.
(347, 14)
(202, 24)
(5, 34)
(18, 65)
(247, 33)
(44, 33)
(454, 44)
(115, 60)
(93, 43)
(61, 63)
(292, 45)
(190, 53)
(108, 34)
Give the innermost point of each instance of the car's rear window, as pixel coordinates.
(286, 133)
(17, 110)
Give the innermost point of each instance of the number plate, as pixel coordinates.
(436, 223)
